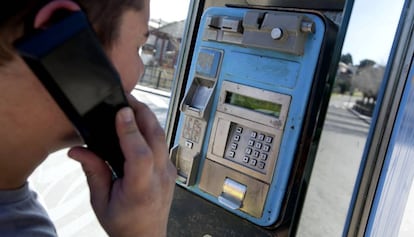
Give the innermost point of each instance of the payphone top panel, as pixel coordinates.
(257, 69)
(332, 5)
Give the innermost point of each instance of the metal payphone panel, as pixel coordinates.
(242, 114)
(247, 129)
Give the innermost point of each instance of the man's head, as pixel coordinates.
(30, 113)
(17, 18)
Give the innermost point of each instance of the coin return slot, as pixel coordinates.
(233, 194)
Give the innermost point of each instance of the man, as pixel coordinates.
(33, 126)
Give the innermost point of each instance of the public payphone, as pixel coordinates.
(255, 82)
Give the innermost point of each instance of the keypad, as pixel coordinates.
(249, 147)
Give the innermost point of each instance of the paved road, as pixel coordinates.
(62, 188)
(335, 169)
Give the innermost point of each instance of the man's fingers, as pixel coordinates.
(152, 131)
(137, 153)
(97, 174)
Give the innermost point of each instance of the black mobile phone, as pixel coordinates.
(69, 60)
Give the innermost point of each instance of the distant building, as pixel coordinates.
(160, 53)
(163, 43)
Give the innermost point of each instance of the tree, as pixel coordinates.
(366, 63)
(368, 78)
(347, 59)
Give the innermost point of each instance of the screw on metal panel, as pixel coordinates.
(276, 33)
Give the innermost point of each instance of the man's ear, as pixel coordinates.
(45, 15)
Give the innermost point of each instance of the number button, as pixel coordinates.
(231, 154)
(266, 148)
(189, 144)
(237, 138)
(253, 162)
(246, 159)
(248, 151)
(250, 142)
(253, 134)
(269, 139)
(261, 137)
(256, 154)
(261, 165)
(234, 146)
(239, 129)
(263, 156)
(258, 145)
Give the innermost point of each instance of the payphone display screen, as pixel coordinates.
(261, 106)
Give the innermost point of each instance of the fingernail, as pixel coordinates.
(73, 153)
(127, 115)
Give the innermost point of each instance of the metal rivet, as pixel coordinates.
(307, 27)
(276, 33)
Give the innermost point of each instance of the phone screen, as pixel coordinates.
(82, 73)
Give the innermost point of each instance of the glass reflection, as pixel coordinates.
(159, 55)
(360, 73)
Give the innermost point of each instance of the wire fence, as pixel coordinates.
(157, 77)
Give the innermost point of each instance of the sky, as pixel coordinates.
(372, 29)
(370, 32)
(169, 10)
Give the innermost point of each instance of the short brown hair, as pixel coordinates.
(17, 18)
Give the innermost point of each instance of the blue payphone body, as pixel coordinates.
(246, 100)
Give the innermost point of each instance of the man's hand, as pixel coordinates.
(139, 203)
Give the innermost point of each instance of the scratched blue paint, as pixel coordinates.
(273, 72)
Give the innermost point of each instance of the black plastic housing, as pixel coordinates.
(69, 60)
